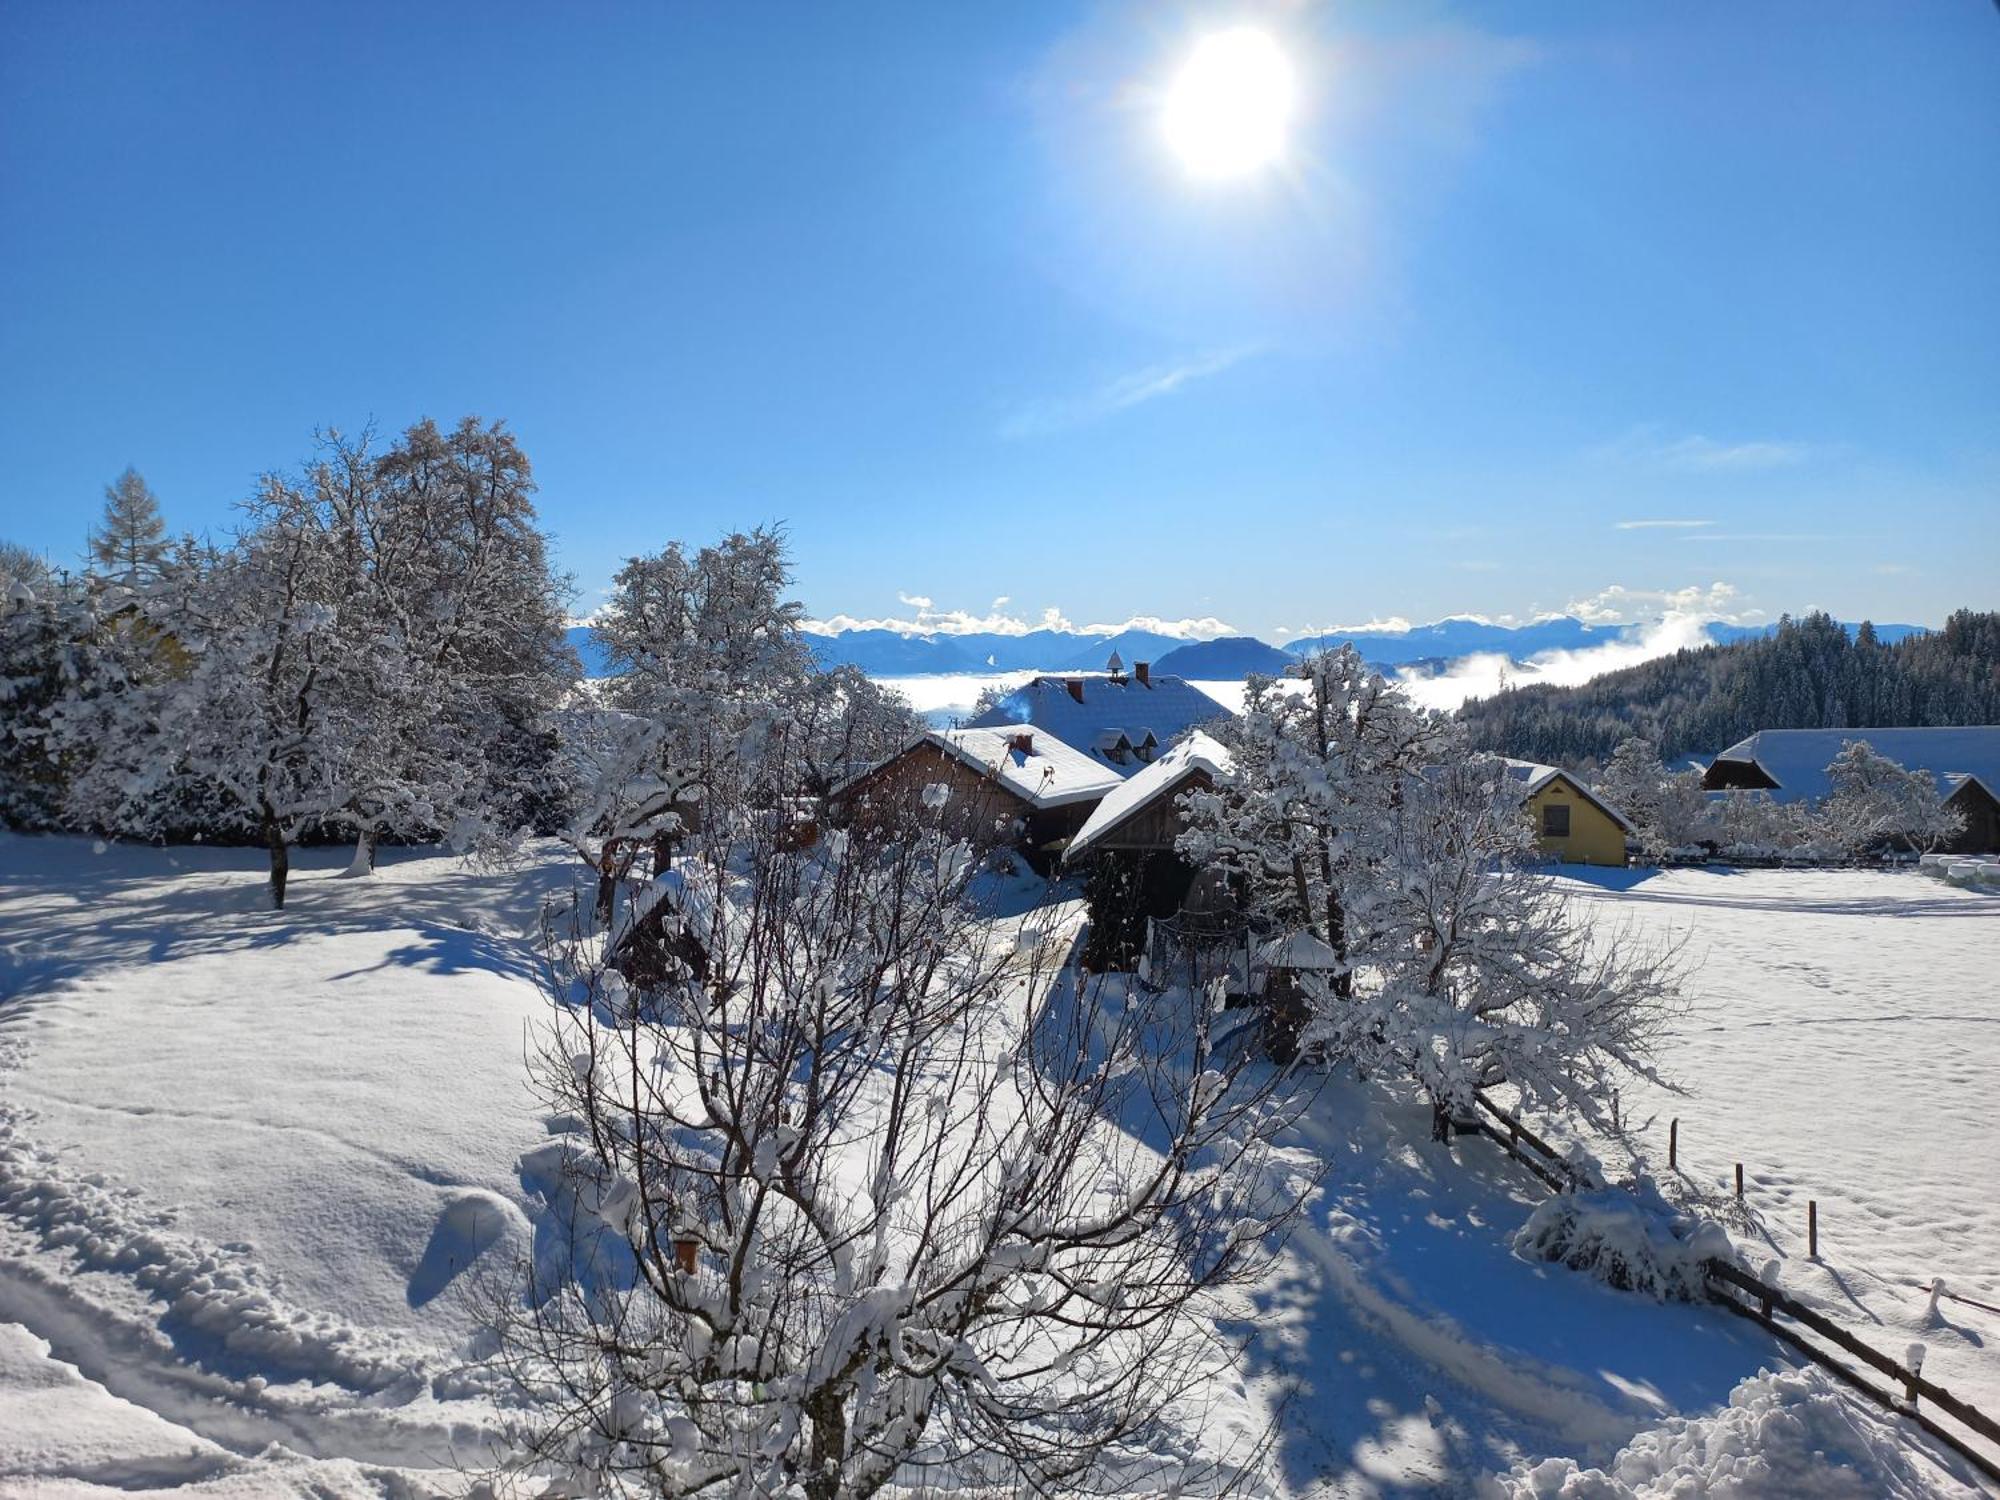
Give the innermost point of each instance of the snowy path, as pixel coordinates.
(1844, 1047)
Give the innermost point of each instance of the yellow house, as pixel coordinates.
(1571, 822)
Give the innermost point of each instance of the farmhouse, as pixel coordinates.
(1571, 822)
(1790, 764)
(999, 783)
(1121, 721)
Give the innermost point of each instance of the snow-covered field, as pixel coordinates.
(1844, 1046)
(251, 1165)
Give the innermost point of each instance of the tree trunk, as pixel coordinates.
(281, 862)
(828, 1447)
(607, 885)
(363, 862)
(1440, 1121)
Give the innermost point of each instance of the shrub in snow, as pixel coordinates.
(1784, 1435)
(1628, 1238)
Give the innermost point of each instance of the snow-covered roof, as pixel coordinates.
(1533, 776)
(1198, 752)
(1298, 950)
(1047, 774)
(1112, 704)
(1796, 759)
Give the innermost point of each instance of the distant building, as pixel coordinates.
(1006, 784)
(1790, 765)
(1122, 721)
(1571, 822)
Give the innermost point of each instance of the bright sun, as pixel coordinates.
(1228, 107)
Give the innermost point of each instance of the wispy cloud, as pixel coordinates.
(1763, 536)
(1660, 525)
(1697, 453)
(1136, 388)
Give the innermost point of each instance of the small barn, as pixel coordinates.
(1790, 765)
(1002, 784)
(1571, 822)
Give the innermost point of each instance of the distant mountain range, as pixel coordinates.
(889, 653)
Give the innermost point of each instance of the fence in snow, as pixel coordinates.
(1729, 1286)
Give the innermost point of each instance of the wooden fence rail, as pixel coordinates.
(1555, 1171)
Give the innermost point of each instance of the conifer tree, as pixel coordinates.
(130, 543)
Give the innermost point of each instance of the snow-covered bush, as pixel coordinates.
(1630, 1238)
(1785, 1435)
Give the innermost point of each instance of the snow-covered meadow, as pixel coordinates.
(1843, 1045)
(254, 1166)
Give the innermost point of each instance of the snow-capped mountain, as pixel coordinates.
(892, 653)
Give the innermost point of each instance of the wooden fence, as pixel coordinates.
(1749, 1297)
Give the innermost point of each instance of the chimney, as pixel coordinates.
(1075, 686)
(1143, 670)
(1023, 742)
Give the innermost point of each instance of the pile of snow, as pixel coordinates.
(1784, 1433)
(1630, 1238)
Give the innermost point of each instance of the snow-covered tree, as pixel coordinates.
(130, 542)
(1876, 804)
(451, 572)
(864, 1191)
(1669, 808)
(706, 648)
(41, 653)
(1303, 823)
(844, 723)
(1483, 975)
(380, 650)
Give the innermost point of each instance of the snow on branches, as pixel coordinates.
(378, 651)
(865, 1191)
(1367, 823)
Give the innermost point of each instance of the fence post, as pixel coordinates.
(1812, 1228)
(1673, 1143)
(1739, 1179)
(1914, 1358)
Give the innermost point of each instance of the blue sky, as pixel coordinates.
(924, 283)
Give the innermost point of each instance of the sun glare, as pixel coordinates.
(1228, 107)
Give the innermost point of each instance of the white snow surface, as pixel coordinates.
(246, 1158)
(1844, 1047)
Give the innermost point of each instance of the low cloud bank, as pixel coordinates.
(1482, 676)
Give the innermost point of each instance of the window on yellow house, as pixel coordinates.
(1555, 820)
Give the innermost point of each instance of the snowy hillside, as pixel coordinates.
(257, 1168)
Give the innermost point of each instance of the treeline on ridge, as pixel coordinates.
(1809, 674)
